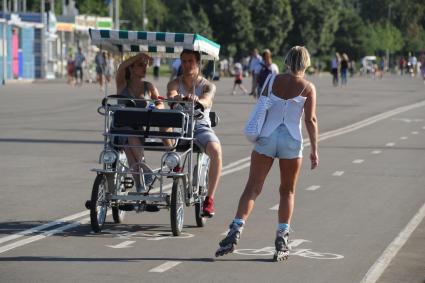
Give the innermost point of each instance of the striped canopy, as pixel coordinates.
(156, 44)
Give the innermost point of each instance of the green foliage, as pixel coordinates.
(380, 37)
(92, 7)
(316, 22)
(272, 21)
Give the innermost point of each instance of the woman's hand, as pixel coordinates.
(314, 158)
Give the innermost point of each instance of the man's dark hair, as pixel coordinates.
(196, 53)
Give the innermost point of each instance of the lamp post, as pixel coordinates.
(43, 39)
(4, 43)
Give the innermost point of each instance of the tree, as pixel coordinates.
(316, 22)
(350, 36)
(381, 37)
(271, 21)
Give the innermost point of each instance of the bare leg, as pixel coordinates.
(260, 167)
(213, 150)
(289, 172)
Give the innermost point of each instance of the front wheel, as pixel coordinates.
(177, 206)
(98, 203)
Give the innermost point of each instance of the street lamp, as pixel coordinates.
(4, 43)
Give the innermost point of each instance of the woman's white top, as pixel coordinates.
(286, 111)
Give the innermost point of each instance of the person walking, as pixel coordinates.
(289, 95)
(100, 62)
(78, 70)
(238, 78)
(254, 61)
(156, 66)
(344, 69)
(335, 64)
(265, 68)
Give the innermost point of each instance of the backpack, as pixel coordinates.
(262, 76)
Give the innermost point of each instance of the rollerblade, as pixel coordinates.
(227, 245)
(282, 246)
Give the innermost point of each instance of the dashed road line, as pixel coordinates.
(358, 161)
(390, 144)
(122, 245)
(376, 151)
(415, 133)
(165, 266)
(275, 207)
(403, 138)
(338, 173)
(313, 188)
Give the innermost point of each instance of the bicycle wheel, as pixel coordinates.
(117, 214)
(177, 206)
(202, 193)
(98, 203)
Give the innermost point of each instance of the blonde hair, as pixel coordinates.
(297, 59)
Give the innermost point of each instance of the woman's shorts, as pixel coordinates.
(280, 144)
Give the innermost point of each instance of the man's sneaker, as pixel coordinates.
(227, 245)
(282, 245)
(208, 207)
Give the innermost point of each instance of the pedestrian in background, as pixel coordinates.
(290, 95)
(265, 68)
(100, 62)
(156, 67)
(78, 70)
(238, 78)
(335, 64)
(254, 61)
(110, 67)
(70, 69)
(344, 68)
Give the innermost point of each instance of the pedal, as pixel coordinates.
(128, 183)
(87, 204)
(152, 208)
(126, 207)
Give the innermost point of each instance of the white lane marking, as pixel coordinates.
(275, 207)
(370, 120)
(358, 161)
(415, 133)
(423, 128)
(236, 163)
(403, 138)
(376, 152)
(43, 235)
(44, 226)
(236, 168)
(390, 144)
(312, 188)
(391, 251)
(338, 173)
(122, 245)
(165, 266)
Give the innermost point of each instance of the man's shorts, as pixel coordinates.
(280, 144)
(203, 135)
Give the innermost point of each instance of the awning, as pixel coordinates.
(156, 44)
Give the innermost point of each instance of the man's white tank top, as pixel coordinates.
(198, 92)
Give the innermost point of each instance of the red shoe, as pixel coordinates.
(208, 207)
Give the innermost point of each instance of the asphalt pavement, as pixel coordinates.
(358, 217)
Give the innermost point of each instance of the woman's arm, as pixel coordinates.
(154, 95)
(311, 125)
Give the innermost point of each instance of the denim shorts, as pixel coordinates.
(203, 135)
(280, 144)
